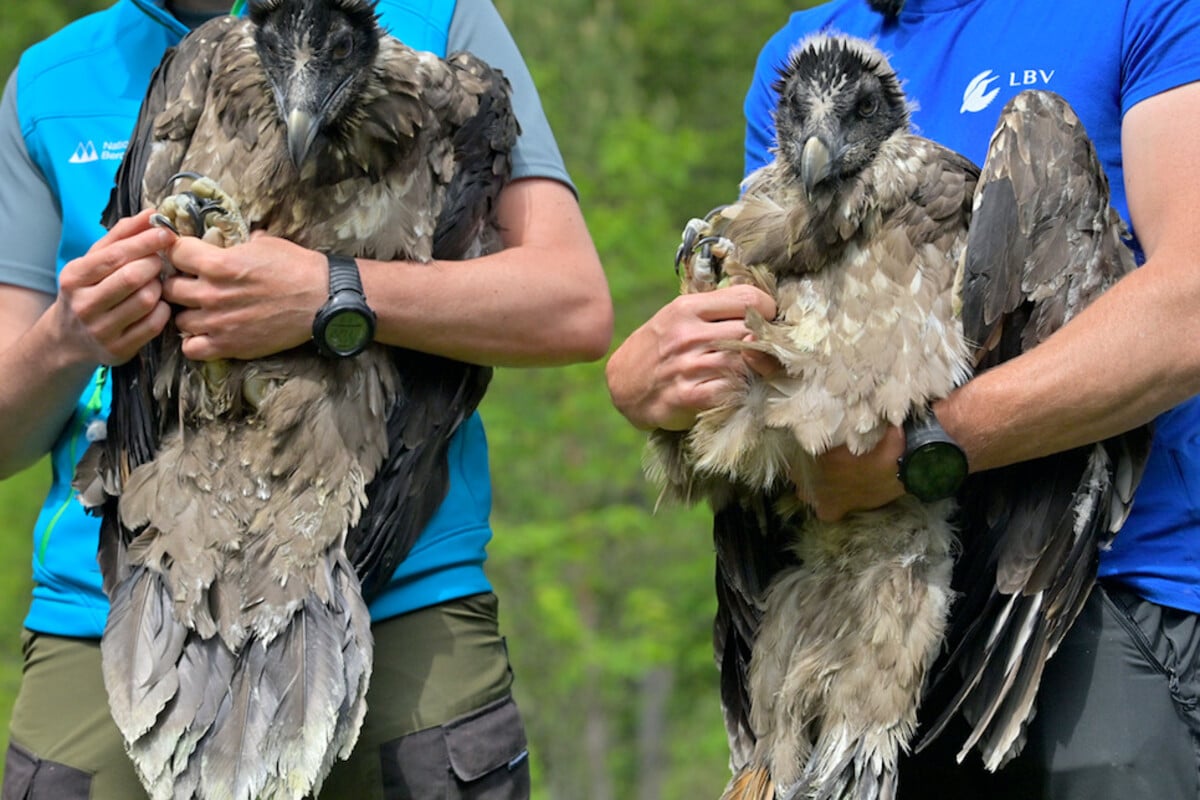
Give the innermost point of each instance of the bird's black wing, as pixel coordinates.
(133, 424)
(750, 537)
(438, 394)
(1043, 244)
(483, 155)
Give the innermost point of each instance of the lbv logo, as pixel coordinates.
(984, 87)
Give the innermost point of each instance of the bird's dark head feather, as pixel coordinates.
(318, 55)
(839, 101)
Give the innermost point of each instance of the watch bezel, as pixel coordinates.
(922, 436)
(345, 297)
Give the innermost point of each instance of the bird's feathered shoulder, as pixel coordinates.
(1046, 242)
(929, 197)
(172, 107)
(487, 130)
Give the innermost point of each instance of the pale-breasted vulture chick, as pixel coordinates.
(899, 269)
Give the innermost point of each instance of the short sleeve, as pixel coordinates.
(30, 218)
(761, 99)
(478, 28)
(1161, 48)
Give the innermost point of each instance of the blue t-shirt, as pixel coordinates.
(960, 61)
(65, 119)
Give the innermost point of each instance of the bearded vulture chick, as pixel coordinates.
(251, 509)
(898, 270)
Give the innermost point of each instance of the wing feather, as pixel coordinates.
(1043, 244)
(439, 394)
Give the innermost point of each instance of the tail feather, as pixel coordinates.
(751, 783)
(142, 642)
(265, 722)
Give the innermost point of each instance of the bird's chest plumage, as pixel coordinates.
(872, 331)
(868, 337)
(867, 327)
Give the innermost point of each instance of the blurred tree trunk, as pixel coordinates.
(654, 694)
(597, 730)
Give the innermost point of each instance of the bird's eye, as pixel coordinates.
(867, 106)
(341, 47)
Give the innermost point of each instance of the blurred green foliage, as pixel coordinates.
(607, 603)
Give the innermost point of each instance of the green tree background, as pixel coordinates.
(607, 603)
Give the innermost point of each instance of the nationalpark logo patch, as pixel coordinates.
(86, 152)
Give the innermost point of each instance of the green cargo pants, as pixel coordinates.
(440, 721)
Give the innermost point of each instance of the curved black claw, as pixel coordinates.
(163, 221)
(692, 233)
(680, 254)
(709, 260)
(198, 210)
(195, 176)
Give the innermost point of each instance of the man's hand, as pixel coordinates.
(842, 482)
(675, 366)
(246, 301)
(110, 299)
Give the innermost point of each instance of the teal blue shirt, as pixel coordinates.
(65, 119)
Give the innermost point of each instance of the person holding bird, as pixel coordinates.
(1114, 711)
(77, 298)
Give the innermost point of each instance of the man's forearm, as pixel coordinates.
(39, 385)
(1123, 361)
(541, 301)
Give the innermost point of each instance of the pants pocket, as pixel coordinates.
(27, 777)
(482, 755)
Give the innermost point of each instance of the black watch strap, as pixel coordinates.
(343, 276)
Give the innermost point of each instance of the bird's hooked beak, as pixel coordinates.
(815, 163)
(302, 129)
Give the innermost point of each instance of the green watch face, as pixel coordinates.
(934, 471)
(347, 332)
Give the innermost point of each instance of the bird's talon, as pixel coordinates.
(205, 210)
(178, 176)
(160, 220)
(692, 231)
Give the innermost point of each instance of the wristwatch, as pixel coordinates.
(933, 466)
(345, 325)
